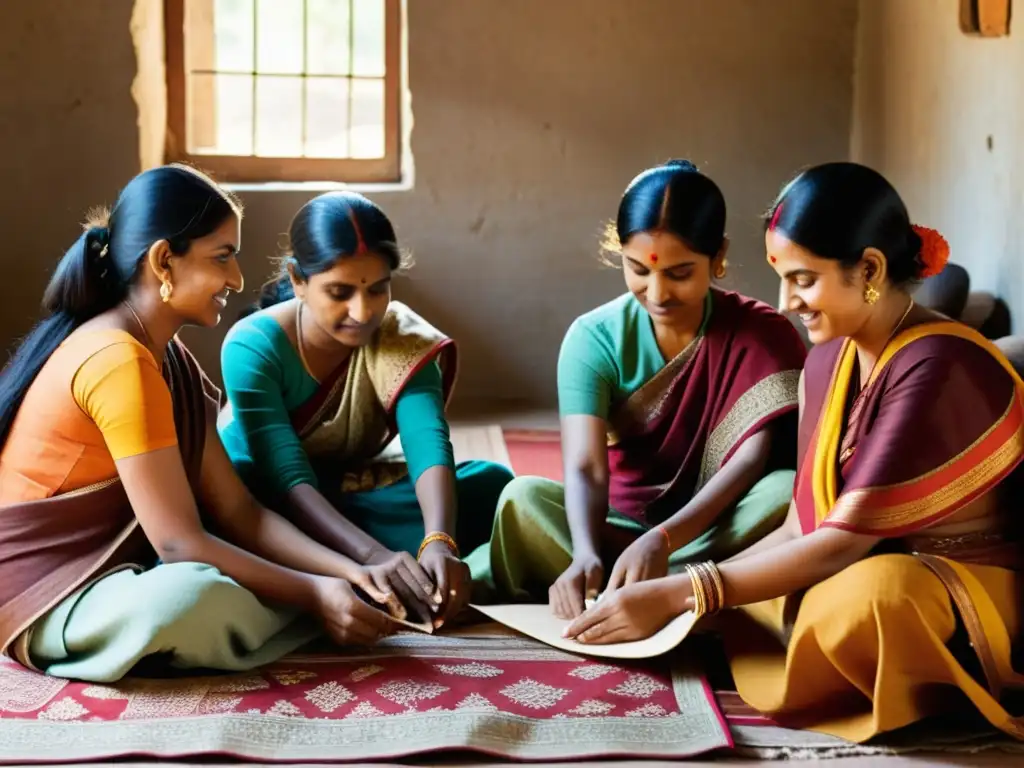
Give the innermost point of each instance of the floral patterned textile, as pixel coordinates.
(491, 693)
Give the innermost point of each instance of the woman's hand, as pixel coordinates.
(579, 582)
(451, 580)
(398, 572)
(643, 560)
(348, 619)
(631, 613)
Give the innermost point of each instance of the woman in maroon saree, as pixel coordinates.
(892, 592)
(678, 409)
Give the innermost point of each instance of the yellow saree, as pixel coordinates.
(925, 459)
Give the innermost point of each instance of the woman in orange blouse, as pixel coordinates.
(125, 534)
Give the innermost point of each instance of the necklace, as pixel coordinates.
(903, 319)
(848, 444)
(301, 346)
(145, 334)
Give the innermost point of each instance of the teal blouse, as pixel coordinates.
(265, 381)
(607, 355)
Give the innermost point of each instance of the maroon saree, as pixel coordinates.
(939, 426)
(925, 459)
(675, 432)
(51, 547)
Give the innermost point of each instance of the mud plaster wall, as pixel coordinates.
(530, 118)
(941, 114)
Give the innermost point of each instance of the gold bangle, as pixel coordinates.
(709, 593)
(711, 580)
(716, 576)
(705, 596)
(438, 536)
(697, 587)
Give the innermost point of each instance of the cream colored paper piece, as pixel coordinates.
(425, 627)
(538, 622)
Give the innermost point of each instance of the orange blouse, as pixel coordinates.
(99, 398)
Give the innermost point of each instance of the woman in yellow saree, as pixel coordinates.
(892, 591)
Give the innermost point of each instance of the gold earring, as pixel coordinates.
(871, 294)
(720, 270)
(165, 291)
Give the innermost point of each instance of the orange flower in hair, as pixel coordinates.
(934, 251)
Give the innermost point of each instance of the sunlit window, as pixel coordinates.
(283, 90)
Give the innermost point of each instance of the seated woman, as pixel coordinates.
(318, 384)
(892, 591)
(677, 405)
(110, 461)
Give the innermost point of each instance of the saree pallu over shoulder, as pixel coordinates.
(347, 424)
(940, 424)
(675, 432)
(51, 547)
(936, 428)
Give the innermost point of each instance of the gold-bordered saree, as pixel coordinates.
(677, 430)
(348, 427)
(927, 457)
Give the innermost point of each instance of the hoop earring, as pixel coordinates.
(165, 291)
(720, 270)
(871, 294)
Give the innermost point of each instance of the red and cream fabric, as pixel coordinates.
(413, 694)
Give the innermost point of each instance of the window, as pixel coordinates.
(285, 90)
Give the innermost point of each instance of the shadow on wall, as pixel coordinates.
(472, 344)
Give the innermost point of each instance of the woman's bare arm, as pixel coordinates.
(396, 572)
(789, 530)
(793, 565)
(585, 457)
(316, 516)
(272, 558)
(159, 492)
(782, 563)
(585, 460)
(737, 476)
(254, 527)
(641, 609)
(780, 570)
(435, 491)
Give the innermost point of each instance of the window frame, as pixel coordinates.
(247, 169)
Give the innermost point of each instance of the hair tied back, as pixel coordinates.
(934, 251)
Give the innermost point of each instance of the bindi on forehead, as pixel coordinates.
(653, 258)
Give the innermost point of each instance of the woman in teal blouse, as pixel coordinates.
(322, 380)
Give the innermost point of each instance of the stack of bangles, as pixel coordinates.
(438, 536)
(708, 589)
